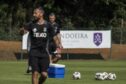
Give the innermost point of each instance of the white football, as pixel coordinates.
(99, 76)
(76, 75)
(111, 76)
(105, 75)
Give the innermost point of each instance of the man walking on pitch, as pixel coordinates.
(40, 32)
(54, 56)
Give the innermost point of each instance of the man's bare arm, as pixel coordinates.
(56, 40)
(59, 39)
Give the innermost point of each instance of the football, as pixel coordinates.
(111, 76)
(99, 76)
(105, 75)
(76, 75)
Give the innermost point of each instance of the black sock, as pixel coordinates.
(42, 79)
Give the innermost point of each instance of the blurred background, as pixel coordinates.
(71, 15)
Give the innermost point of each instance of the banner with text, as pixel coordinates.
(80, 39)
(86, 39)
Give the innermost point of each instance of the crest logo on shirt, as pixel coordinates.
(44, 29)
(34, 30)
(55, 29)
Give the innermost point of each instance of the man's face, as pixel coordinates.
(37, 14)
(52, 18)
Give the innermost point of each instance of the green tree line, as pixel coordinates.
(71, 14)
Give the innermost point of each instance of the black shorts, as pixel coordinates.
(40, 64)
(52, 48)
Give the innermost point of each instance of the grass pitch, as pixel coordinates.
(13, 72)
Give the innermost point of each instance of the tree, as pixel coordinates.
(73, 14)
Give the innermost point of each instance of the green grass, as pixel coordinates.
(13, 72)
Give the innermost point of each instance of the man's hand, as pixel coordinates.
(58, 50)
(61, 46)
(22, 31)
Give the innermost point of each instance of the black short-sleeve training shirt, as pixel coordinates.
(39, 35)
(56, 30)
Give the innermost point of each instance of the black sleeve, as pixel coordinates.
(27, 26)
(58, 29)
(50, 30)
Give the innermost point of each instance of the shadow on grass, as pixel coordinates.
(23, 56)
(82, 56)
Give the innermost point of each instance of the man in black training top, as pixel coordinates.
(54, 56)
(40, 32)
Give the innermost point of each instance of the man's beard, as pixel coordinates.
(35, 19)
